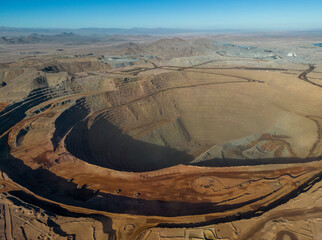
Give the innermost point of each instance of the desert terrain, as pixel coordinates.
(183, 136)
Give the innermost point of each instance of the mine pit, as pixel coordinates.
(165, 138)
(155, 126)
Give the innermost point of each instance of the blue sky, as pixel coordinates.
(190, 14)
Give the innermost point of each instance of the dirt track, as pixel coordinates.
(303, 76)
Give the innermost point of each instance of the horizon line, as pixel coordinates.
(170, 28)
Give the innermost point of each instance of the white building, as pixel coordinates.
(291, 54)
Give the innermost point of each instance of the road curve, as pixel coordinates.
(303, 76)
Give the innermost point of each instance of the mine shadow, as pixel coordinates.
(106, 146)
(67, 119)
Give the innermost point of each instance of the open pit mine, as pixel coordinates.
(166, 139)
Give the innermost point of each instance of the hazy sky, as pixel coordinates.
(196, 14)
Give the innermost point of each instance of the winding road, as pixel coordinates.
(303, 76)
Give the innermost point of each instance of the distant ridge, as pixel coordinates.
(33, 38)
(163, 32)
(11, 31)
